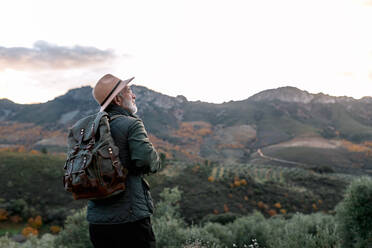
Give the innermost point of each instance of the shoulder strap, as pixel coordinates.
(114, 117)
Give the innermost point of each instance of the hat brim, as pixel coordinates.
(121, 86)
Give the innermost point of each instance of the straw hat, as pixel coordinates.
(107, 88)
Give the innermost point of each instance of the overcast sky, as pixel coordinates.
(208, 50)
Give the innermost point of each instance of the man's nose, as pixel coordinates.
(133, 96)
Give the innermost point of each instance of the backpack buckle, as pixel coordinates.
(115, 164)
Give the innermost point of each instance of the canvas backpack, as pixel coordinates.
(93, 169)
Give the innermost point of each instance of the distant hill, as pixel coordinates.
(277, 121)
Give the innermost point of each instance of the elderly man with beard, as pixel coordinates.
(123, 220)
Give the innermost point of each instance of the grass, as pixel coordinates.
(10, 228)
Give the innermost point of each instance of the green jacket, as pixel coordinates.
(139, 156)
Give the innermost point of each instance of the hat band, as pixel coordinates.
(112, 91)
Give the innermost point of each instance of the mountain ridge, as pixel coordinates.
(228, 132)
(269, 94)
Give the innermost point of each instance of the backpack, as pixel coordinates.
(93, 169)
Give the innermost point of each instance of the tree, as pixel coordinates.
(354, 214)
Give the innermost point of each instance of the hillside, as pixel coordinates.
(229, 133)
(208, 189)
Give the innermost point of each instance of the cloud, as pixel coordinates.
(46, 56)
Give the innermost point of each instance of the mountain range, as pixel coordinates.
(284, 125)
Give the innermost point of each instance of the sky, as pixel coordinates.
(208, 50)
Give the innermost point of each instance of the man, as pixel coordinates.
(123, 220)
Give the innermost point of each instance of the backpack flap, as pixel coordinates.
(94, 125)
(84, 127)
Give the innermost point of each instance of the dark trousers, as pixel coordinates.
(138, 234)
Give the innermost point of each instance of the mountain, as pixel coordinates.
(286, 124)
(292, 94)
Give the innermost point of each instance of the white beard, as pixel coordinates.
(129, 105)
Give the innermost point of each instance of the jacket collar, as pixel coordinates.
(113, 109)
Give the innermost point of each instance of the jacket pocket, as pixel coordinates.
(149, 202)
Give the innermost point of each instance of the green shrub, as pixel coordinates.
(168, 206)
(76, 231)
(307, 231)
(247, 228)
(354, 214)
(56, 215)
(19, 207)
(46, 241)
(167, 223)
(6, 242)
(222, 232)
(171, 230)
(196, 235)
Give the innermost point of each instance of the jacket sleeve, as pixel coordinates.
(142, 152)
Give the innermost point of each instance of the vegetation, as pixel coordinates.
(230, 202)
(354, 214)
(237, 189)
(350, 228)
(32, 185)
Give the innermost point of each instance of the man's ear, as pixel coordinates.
(117, 100)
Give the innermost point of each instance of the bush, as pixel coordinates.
(6, 242)
(171, 230)
(46, 241)
(353, 224)
(247, 228)
(57, 215)
(168, 225)
(354, 214)
(18, 207)
(199, 237)
(222, 232)
(308, 231)
(168, 207)
(75, 232)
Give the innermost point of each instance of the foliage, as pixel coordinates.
(222, 218)
(75, 232)
(27, 231)
(46, 241)
(18, 207)
(308, 231)
(247, 228)
(168, 207)
(22, 191)
(316, 230)
(171, 230)
(55, 229)
(3, 214)
(254, 230)
(168, 225)
(36, 222)
(6, 242)
(354, 214)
